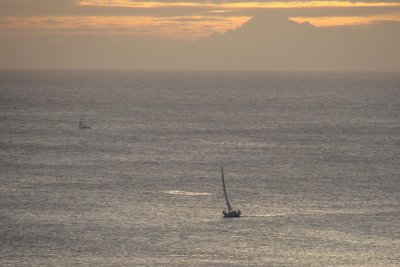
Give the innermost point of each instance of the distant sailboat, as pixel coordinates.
(82, 124)
(230, 213)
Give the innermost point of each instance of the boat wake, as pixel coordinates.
(186, 193)
(265, 215)
(322, 213)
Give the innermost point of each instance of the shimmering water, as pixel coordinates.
(311, 159)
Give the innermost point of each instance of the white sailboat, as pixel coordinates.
(230, 213)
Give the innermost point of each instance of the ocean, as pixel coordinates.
(310, 158)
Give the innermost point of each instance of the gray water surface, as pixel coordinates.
(311, 159)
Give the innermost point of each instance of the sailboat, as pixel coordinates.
(230, 213)
(82, 124)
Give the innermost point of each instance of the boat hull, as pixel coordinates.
(231, 213)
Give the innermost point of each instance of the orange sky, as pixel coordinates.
(208, 18)
(201, 35)
(235, 4)
(188, 28)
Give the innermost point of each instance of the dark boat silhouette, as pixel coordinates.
(230, 213)
(82, 124)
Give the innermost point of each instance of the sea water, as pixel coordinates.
(311, 159)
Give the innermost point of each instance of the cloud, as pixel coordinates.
(107, 34)
(174, 8)
(236, 4)
(332, 21)
(165, 18)
(187, 28)
(267, 42)
(37, 7)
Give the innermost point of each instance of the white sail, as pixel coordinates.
(223, 185)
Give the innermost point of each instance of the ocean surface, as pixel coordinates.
(311, 159)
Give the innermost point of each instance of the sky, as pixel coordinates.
(200, 35)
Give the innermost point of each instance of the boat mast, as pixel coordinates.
(223, 185)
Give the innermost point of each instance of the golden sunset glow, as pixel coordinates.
(201, 34)
(188, 28)
(235, 5)
(195, 19)
(346, 21)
